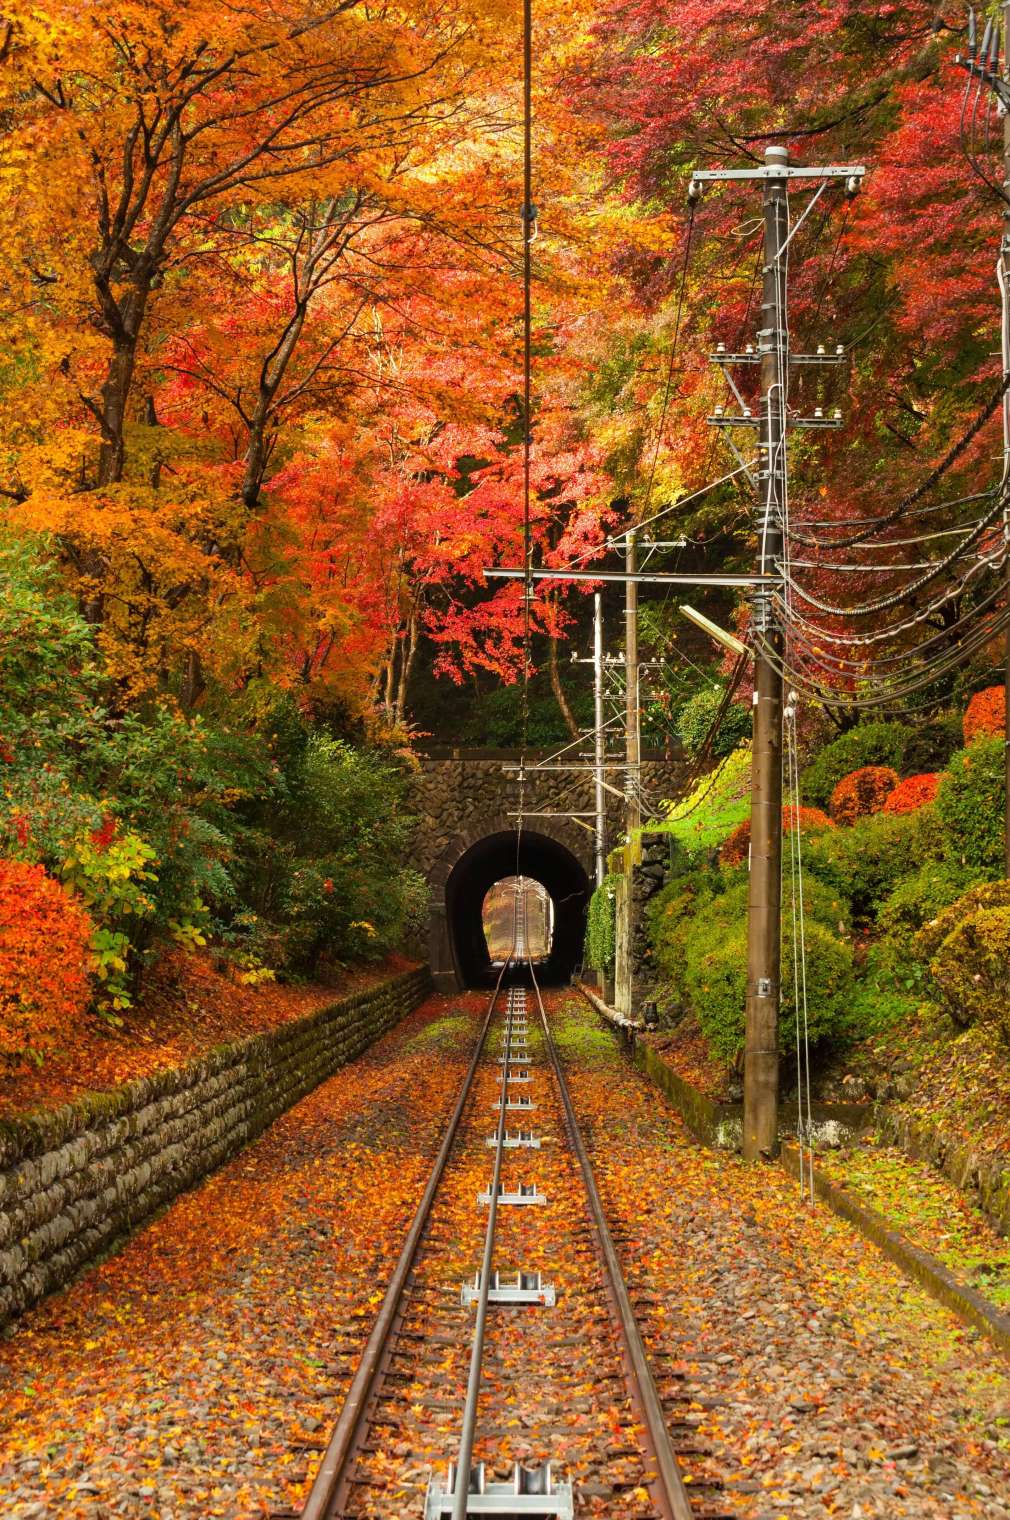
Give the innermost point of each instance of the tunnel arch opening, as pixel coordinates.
(495, 858)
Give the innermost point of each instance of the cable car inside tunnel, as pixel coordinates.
(479, 895)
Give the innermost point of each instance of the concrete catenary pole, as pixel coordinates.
(761, 1066)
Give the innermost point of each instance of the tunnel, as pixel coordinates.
(493, 859)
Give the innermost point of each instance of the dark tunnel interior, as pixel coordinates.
(493, 859)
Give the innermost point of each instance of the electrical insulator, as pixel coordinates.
(840, 349)
(838, 414)
(818, 411)
(820, 348)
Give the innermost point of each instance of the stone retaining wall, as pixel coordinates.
(985, 1178)
(75, 1180)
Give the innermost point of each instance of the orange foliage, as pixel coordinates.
(913, 793)
(45, 937)
(862, 792)
(735, 846)
(985, 713)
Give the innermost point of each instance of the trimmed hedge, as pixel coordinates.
(867, 744)
(970, 806)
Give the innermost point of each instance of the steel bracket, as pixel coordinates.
(523, 1139)
(531, 1491)
(510, 1288)
(527, 1193)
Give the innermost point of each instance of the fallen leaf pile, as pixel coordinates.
(827, 1384)
(187, 1008)
(193, 1373)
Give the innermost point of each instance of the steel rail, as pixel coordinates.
(468, 1427)
(672, 1497)
(327, 1495)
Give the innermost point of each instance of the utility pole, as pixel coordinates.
(633, 782)
(599, 739)
(764, 906)
(761, 1043)
(982, 62)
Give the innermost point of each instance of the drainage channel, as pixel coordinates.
(560, 1415)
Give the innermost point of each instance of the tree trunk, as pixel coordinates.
(558, 689)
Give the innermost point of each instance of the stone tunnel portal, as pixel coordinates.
(493, 859)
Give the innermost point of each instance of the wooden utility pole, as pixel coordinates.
(764, 909)
(761, 1045)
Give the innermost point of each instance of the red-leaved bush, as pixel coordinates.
(45, 938)
(733, 850)
(913, 793)
(985, 714)
(862, 792)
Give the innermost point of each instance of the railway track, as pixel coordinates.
(507, 1346)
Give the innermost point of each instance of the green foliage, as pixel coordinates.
(866, 862)
(698, 937)
(601, 931)
(716, 981)
(920, 897)
(930, 745)
(344, 889)
(715, 807)
(970, 806)
(970, 971)
(883, 994)
(168, 825)
(866, 744)
(697, 715)
(988, 895)
(494, 718)
(669, 916)
(114, 877)
(967, 950)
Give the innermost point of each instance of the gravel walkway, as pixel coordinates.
(825, 1383)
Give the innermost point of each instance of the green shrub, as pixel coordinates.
(697, 716)
(970, 970)
(345, 892)
(883, 994)
(867, 744)
(719, 802)
(822, 902)
(970, 806)
(922, 896)
(930, 745)
(669, 916)
(601, 927)
(989, 894)
(866, 862)
(716, 983)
